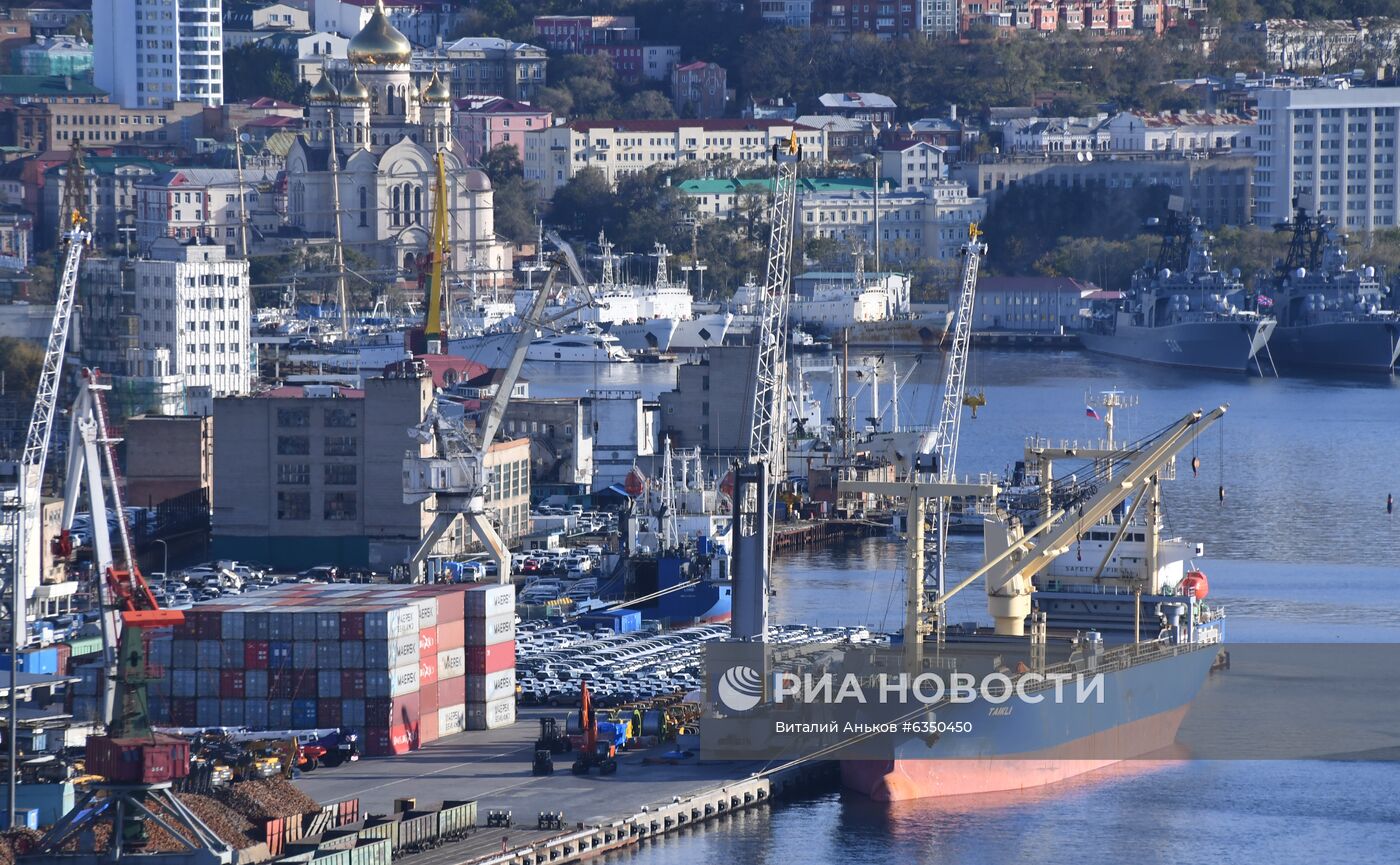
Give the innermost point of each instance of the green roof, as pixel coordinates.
(109, 164)
(734, 186)
(47, 86)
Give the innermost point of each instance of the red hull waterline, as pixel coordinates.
(901, 780)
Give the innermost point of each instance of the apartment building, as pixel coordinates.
(51, 112)
(151, 53)
(188, 203)
(930, 223)
(111, 191)
(622, 147)
(1332, 149)
(483, 124)
(490, 66)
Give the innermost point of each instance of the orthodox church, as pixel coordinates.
(385, 130)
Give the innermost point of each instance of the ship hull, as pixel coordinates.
(651, 335)
(924, 332)
(1035, 744)
(1223, 346)
(1365, 346)
(701, 332)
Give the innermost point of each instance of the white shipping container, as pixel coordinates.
(452, 719)
(427, 613)
(391, 683)
(489, 600)
(452, 663)
(403, 622)
(491, 631)
(493, 686)
(490, 716)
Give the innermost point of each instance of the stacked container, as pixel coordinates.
(389, 661)
(490, 657)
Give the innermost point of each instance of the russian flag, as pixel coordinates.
(1090, 413)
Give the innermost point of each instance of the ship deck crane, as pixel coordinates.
(754, 481)
(455, 473)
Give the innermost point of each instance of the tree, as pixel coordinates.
(647, 105)
(255, 70)
(582, 205)
(502, 163)
(20, 362)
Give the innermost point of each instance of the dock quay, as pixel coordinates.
(787, 536)
(1024, 339)
(647, 798)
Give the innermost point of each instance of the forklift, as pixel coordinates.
(594, 754)
(551, 739)
(544, 762)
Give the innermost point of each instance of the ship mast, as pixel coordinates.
(339, 251)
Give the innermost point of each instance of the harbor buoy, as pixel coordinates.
(1195, 585)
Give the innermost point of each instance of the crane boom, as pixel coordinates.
(767, 435)
(955, 383)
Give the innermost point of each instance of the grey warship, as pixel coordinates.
(1331, 317)
(1182, 310)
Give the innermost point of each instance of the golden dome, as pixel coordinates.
(379, 44)
(324, 91)
(355, 91)
(436, 91)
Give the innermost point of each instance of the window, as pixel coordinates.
(339, 475)
(293, 445)
(341, 506)
(293, 417)
(341, 418)
(294, 473)
(293, 505)
(341, 446)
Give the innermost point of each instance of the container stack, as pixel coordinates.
(490, 656)
(393, 662)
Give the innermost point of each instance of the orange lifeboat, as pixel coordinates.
(1195, 585)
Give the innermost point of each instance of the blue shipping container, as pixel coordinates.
(304, 712)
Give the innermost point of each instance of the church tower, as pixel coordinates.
(436, 113)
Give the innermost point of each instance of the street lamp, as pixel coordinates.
(165, 567)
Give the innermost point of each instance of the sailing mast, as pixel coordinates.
(339, 237)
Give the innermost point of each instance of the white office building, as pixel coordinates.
(193, 301)
(1333, 148)
(151, 53)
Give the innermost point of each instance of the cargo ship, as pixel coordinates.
(1331, 316)
(1104, 595)
(1181, 311)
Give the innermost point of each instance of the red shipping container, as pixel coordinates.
(182, 711)
(352, 683)
(280, 685)
(352, 626)
(427, 700)
(482, 660)
(452, 692)
(428, 728)
(388, 741)
(65, 657)
(451, 635)
(391, 711)
(303, 683)
(208, 624)
(328, 713)
(427, 642)
(427, 671)
(231, 684)
(255, 655)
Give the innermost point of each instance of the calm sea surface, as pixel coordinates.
(1301, 550)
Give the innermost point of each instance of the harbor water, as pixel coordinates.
(1300, 549)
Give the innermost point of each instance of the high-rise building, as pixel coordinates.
(1332, 149)
(150, 53)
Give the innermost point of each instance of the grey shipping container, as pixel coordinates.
(255, 626)
(328, 626)
(182, 683)
(255, 683)
(206, 712)
(304, 626)
(328, 684)
(328, 654)
(231, 713)
(230, 654)
(304, 655)
(206, 683)
(352, 655)
(352, 712)
(210, 653)
(231, 625)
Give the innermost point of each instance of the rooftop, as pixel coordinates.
(717, 125)
(47, 86)
(1047, 284)
(1164, 119)
(835, 123)
(727, 186)
(496, 105)
(855, 100)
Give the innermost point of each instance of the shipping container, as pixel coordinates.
(328, 683)
(304, 712)
(328, 654)
(427, 726)
(328, 713)
(427, 642)
(231, 684)
(427, 671)
(255, 712)
(427, 698)
(231, 654)
(352, 712)
(386, 712)
(452, 719)
(231, 625)
(384, 742)
(206, 683)
(352, 655)
(304, 652)
(280, 627)
(452, 663)
(352, 626)
(491, 716)
(182, 683)
(427, 612)
(490, 659)
(488, 600)
(491, 631)
(452, 691)
(255, 626)
(206, 712)
(231, 712)
(304, 626)
(209, 653)
(352, 683)
(279, 653)
(279, 714)
(182, 711)
(451, 635)
(255, 655)
(620, 621)
(491, 686)
(255, 684)
(328, 626)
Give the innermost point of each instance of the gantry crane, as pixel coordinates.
(754, 481)
(456, 472)
(945, 440)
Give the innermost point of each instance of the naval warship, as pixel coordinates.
(1330, 316)
(1182, 311)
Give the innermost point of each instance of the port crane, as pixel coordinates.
(455, 471)
(945, 440)
(766, 466)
